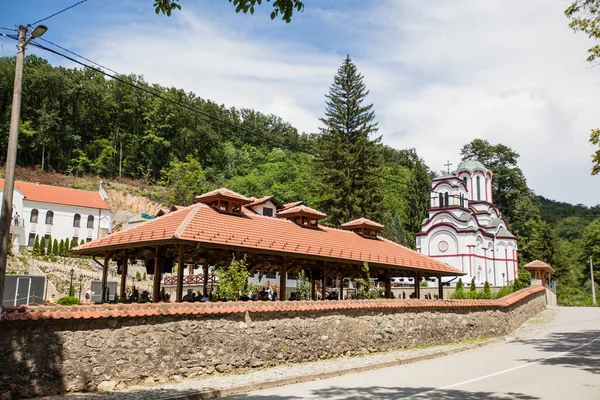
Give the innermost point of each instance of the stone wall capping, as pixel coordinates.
(96, 311)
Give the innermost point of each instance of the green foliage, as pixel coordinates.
(144, 276)
(504, 291)
(68, 301)
(487, 292)
(61, 247)
(43, 246)
(424, 283)
(138, 276)
(184, 180)
(285, 8)
(73, 243)
(459, 292)
(350, 159)
(302, 287)
(36, 246)
(55, 247)
(524, 277)
(232, 281)
(364, 283)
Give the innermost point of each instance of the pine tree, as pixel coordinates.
(49, 245)
(61, 247)
(417, 195)
(73, 243)
(350, 158)
(55, 248)
(43, 245)
(82, 242)
(487, 292)
(36, 246)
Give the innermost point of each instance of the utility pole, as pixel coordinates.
(11, 153)
(593, 284)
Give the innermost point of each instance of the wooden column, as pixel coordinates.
(440, 288)
(283, 281)
(156, 286)
(312, 285)
(341, 286)
(324, 286)
(388, 283)
(417, 285)
(104, 277)
(180, 267)
(123, 274)
(205, 278)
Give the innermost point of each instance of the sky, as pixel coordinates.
(440, 73)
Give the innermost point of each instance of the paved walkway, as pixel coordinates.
(225, 385)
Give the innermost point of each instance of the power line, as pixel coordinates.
(58, 12)
(116, 76)
(10, 29)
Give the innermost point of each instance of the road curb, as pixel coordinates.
(217, 393)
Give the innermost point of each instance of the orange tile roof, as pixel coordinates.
(537, 264)
(293, 204)
(262, 200)
(94, 311)
(200, 223)
(302, 210)
(222, 193)
(60, 195)
(361, 222)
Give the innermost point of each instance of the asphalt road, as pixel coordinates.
(559, 360)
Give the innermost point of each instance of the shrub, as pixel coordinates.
(524, 277)
(68, 301)
(232, 281)
(42, 246)
(459, 292)
(487, 292)
(504, 291)
(302, 287)
(144, 278)
(516, 285)
(142, 300)
(36, 246)
(424, 283)
(55, 248)
(138, 276)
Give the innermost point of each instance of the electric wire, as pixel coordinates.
(58, 12)
(116, 76)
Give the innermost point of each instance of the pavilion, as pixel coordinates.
(540, 270)
(223, 224)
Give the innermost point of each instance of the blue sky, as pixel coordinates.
(440, 73)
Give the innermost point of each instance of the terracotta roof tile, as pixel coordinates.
(537, 264)
(200, 223)
(302, 210)
(222, 193)
(144, 310)
(361, 222)
(59, 195)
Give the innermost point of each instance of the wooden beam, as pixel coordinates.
(205, 279)
(105, 277)
(440, 288)
(312, 285)
(123, 274)
(388, 283)
(283, 280)
(324, 286)
(180, 267)
(156, 286)
(417, 285)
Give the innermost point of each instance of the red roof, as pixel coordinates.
(302, 210)
(59, 195)
(96, 311)
(362, 222)
(537, 264)
(256, 202)
(200, 223)
(222, 193)
(294, 204)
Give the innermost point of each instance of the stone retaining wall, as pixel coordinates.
(85, 348)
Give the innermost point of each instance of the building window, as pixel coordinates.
(88, 239)
(90, 223)
(478, 188)
(76, 221)
(441, 199)
(267, 211)
(49, 218)
(447, 203)
(34, 216)
(31, 241)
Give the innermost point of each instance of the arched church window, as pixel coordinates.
(462, 200)
(478, 188)
(446, 202)
(441, 200)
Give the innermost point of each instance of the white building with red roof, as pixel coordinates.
(466, 230)
(59, 212)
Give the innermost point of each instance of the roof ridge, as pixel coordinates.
(186, 221)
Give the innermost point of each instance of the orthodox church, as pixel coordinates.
(465, 230)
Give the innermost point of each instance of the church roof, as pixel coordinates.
(471, 165)
(503, 232)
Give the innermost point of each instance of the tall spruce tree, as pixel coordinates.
(351, 158)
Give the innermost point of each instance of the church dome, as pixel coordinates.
(471, 165)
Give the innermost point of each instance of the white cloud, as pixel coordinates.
(440, 73)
